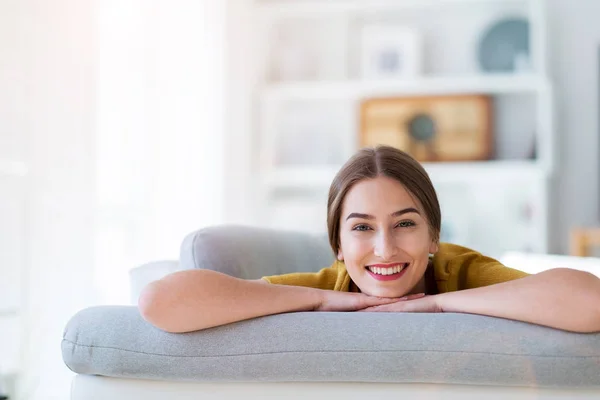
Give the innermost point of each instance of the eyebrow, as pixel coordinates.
(394, 214)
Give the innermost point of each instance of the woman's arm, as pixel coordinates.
(560, 298)
(197, 299)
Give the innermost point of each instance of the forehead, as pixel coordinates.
(378, 195)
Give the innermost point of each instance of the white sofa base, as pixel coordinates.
(87, 387)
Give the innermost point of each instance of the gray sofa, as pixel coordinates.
(117, 355)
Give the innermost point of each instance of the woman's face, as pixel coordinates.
(384, 238)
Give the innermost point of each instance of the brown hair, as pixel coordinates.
(369, 163)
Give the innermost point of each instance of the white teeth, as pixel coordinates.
(387, 271)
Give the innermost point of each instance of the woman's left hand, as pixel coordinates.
(413, 303)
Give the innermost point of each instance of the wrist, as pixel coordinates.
(461, 301)
(314, 298)
(444, 302)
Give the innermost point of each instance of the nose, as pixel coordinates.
(385, 246)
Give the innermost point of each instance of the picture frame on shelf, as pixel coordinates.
(430, 128)
(390, 52)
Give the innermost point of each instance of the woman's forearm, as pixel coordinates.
(197, 299)
(560, 298)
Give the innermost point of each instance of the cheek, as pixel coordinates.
(418, 241)
(354, 247)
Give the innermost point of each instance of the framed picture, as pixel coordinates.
(430, 128)
(389, 51)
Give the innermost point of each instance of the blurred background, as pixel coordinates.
(127, 124)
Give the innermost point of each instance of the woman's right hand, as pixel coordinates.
(346, 301)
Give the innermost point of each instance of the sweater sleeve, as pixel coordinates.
(460, 268)
(334, 277)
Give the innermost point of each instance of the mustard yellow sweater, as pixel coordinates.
(454, 268)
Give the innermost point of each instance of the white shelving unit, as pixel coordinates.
(305, 185)
(300, 178)
(354, 90)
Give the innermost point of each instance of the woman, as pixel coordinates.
(384, 223)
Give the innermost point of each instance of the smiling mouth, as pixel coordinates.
(387, 270)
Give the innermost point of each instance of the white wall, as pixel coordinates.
(574, 40)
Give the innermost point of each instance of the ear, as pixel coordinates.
(340, 255)
(434, 247)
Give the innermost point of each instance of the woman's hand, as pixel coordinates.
(345, 301)
(413, 303)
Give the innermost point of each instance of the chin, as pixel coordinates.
(384, 292)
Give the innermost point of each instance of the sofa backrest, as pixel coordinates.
(251, 253)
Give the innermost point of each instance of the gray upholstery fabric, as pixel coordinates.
(251, 253)
(363, 347)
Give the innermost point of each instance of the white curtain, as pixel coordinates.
(56, 57)
(125, 128)
(160, 131)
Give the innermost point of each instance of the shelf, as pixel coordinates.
(487, 171)
(443, 172)
(301, 177)
(312, 8)
(13, 168)
(356, 89)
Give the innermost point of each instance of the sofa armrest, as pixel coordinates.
(140, 276)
